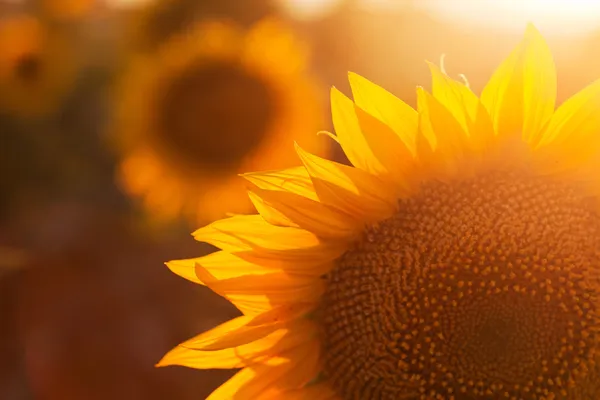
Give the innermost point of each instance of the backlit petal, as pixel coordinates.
(521, 94)
(229, 390)
(253, 239)
(252, 232)
(387, 108)
(294, 180)
(246, 329)
(349, 189)
(350, 136)
(572, 136)
(269, 213)
(465, 106)
(305, 367)
(220, 264)
(444, 135)
(289, 209)
(264, 350)
(396, 159)
(311, 263)
(259, 382)
(255, 294)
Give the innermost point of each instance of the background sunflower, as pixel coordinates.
(90, 308)
(208, 105)
(65, 11)
(146, 28)
(38, 65)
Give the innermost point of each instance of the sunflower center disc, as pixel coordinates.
(215, 115)
(483, 289)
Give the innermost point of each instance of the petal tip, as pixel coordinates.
(433, 67)
(531, 29)
(336, 94)
(357, 81)
(299, 150)
(354, 77)
(162, 362)
(302, 154)
(533, 35)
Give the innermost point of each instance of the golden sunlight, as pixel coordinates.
(126, 4)
(556, 17)
(308, 9)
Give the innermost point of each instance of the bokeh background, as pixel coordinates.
(86, 305)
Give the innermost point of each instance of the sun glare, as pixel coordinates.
(555, 17)
(126, 4)
(308, 9)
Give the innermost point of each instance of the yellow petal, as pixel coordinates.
(465, 106)
(396, 159)
(303, 368)
(230, 389)
(252, 232)
(310, 263)
(349, 189)
(294, 180)
(269, 213)
(579, 111)
(209, 337)
(445, 132)
(387, 108)
(256, 294)
(251, 238)
(289, 209)
(521, 94)
(571, 137)
(269, 381)
(220, 264)
(350, 136)
(269, 284)
(262, 350)
(223, 265)
(246, 329)
(369, 143)
(446, 138)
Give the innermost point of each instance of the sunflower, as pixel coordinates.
(37, 66)
(67, 10)
(457, 259)
(148, 26)
(211, 104)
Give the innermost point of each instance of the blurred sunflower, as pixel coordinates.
(457, 259)
(67, 10)
(154, 22)
(209, 105)
(37, 66)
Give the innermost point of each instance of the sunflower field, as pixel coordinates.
(299, 200)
